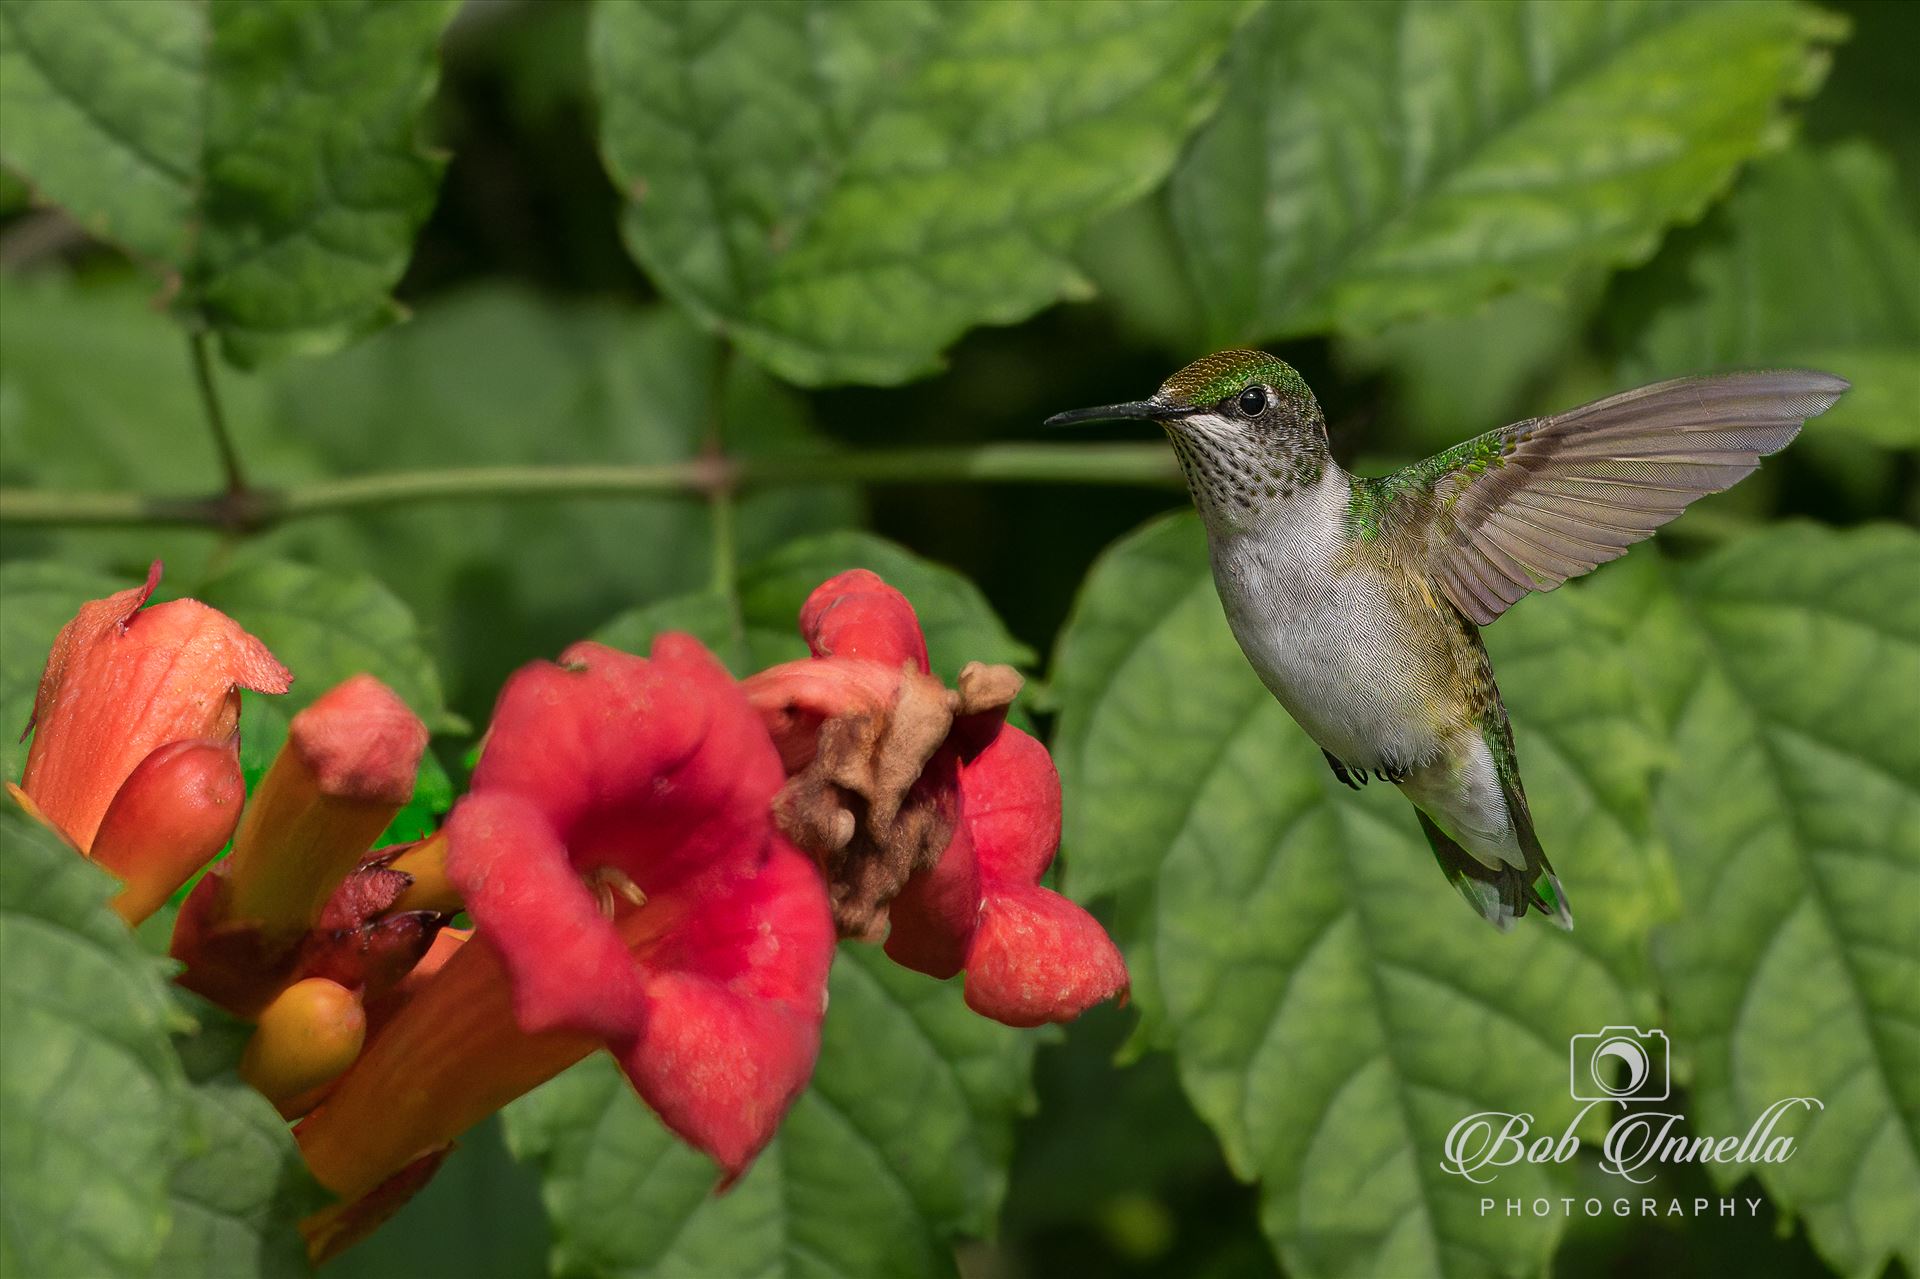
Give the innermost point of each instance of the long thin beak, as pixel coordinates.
(1114, 412)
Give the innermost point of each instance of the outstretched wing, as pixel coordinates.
(1528, 506)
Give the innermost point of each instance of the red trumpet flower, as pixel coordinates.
(629, 890)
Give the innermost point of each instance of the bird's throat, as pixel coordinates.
(1239, 485)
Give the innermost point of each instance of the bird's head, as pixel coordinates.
(1244, 425)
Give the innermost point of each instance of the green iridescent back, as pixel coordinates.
(1382, 502)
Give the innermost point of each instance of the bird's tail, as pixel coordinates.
(1502, 895)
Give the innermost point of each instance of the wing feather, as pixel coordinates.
(1531, 505)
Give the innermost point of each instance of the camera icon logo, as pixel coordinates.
(1620, 1063)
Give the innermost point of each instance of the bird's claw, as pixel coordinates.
(1355, 778)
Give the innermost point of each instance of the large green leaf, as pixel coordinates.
(263, 154)
(1455, 376)
(1815, 262)
(241, 1188)
(899, 1145)
(844, 189)
(484, 377)
(40, 598)
(959, 624)
(1378, 161)
(480, 1218)
(1334, 1009)
(497, 378)
(126, 417)
(88, 1083)
(1788, 666)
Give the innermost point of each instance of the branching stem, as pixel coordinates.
(252, 508)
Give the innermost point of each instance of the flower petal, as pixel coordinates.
(569, 967)
(795, 698)
(734, 999)
(120, 682)
(654, 767)
(1011, 795)
(866, 795)
(1037, 957)
(933, 917)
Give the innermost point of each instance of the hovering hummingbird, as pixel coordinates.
(1358, 599)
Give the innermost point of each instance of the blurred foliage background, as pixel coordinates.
(803, 232)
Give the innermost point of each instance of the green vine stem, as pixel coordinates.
(216, 416)
(721, 498)
(260, 508)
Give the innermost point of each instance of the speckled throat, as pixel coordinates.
(1235, 479)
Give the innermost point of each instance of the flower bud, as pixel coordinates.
(171, 817)
(453, 1056)
(347, 768)
(308, 1035)
(120, 682)
(857, 615)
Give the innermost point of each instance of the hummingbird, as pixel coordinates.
(1358, 599)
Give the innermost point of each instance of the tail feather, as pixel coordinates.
(1505, 894)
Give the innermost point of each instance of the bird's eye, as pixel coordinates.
(1253, 401)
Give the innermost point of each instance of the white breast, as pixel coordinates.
(1326, 637)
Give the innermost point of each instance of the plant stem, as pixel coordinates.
(256, 508)
(720, 501)
(216, 416)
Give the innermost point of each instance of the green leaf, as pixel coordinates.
(480, 1217)
(1455, 376)
(263, 154)
(496, 377)
(241, 1188)
(1814, 262)
(87, 1081)
(40, 599)
(899, 1145)
(324, 626)
(959, 623)
(1787, 664)
(1374, 162)
(125, 416)
(483, 377)
(710, 618)
(844, 189)
(1334, 1009)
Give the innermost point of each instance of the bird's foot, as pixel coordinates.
(1356, 778)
